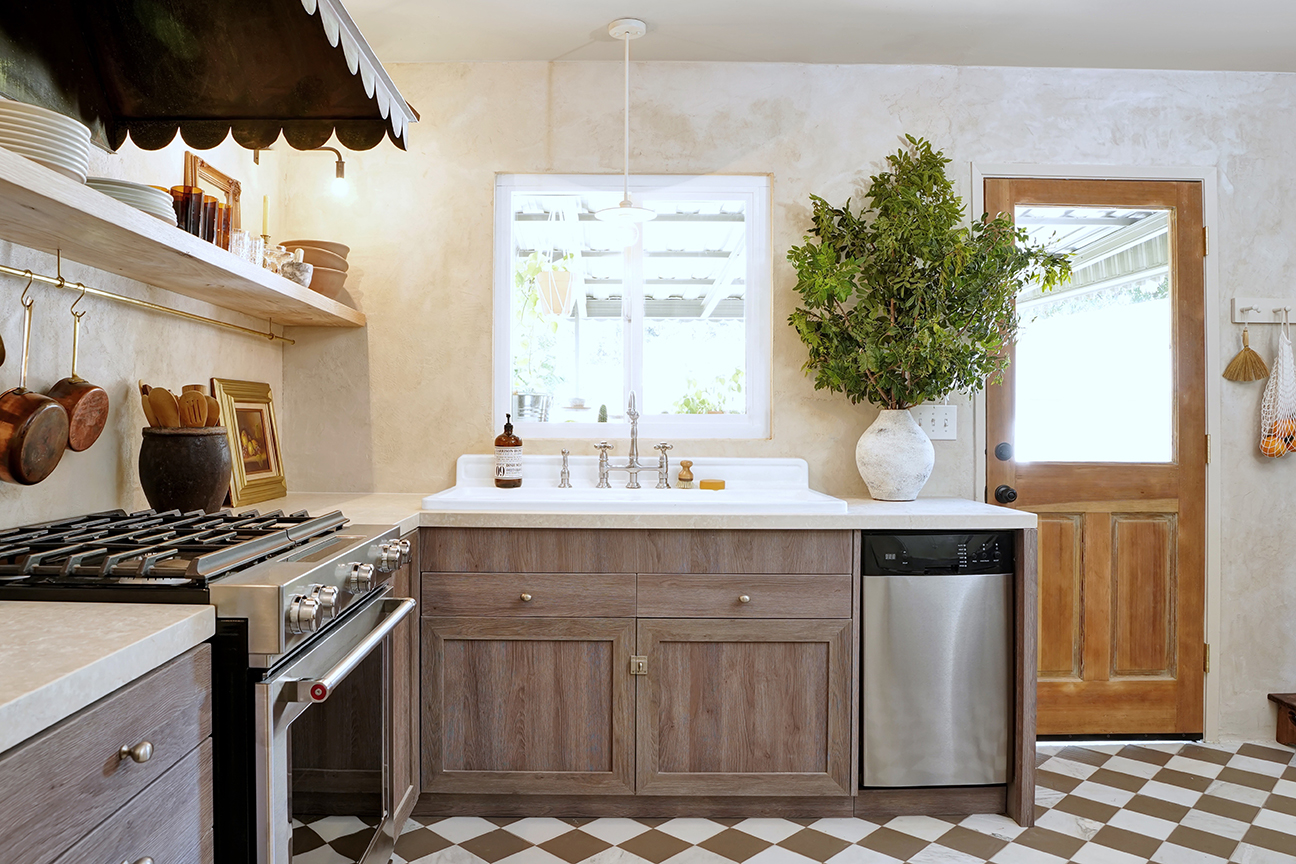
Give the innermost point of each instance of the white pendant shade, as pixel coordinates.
(625, 213)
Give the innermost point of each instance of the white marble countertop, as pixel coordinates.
(404, 509)
(57, 658)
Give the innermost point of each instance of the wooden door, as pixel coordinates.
(744, 707)
(528, 705)
(1120, 494)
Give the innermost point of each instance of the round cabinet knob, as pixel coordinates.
(525, 598)
(141, 752)
(327, 597)
(361, 578)
(303, 614)
(743, 598)
(1005, 494)
(145, 860)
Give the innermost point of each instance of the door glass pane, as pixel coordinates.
(1094, 358)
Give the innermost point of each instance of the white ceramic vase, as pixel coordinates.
(894, 456)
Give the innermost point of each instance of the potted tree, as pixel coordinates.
(904, 303)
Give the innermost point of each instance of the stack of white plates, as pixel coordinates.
(47, 137)
(152, 201)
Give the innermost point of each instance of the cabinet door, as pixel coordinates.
(744, 707)
(535, 705)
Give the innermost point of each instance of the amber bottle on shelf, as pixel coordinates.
(508, 457)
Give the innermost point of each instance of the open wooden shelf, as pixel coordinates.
(44, 210)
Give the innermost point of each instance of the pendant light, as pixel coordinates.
(626, 29)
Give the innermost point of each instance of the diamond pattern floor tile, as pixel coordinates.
(1114, 804)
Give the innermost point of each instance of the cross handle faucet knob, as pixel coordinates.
(604, 446)
(663, 446)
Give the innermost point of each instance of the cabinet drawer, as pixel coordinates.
(68, 779)
(552, 595)
(171, 820)
(705, 595)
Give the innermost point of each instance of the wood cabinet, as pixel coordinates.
(71, 795)
(652, 663)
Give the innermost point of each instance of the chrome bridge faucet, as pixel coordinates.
(632, 466)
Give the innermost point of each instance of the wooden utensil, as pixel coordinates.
(86, 404)
(213, 411)
(193, 408)
(148, 408)
(33, 427)
(165, 407)
(201, 388)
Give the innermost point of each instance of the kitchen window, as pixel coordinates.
(676, 310)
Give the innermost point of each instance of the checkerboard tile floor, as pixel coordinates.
(1118, 804)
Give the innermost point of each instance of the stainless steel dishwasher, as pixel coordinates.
(935, 658)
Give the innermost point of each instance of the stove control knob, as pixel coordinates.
(303, 614)
(327, 598)
(361, 578)
(404, 551)
(389, 557)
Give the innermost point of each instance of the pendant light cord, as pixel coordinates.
(626, 188)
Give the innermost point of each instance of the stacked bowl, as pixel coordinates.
(150, 199)
(330, 262)
(47, 137)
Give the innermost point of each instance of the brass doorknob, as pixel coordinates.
(743, 598)
(141, 752)
(526, 598)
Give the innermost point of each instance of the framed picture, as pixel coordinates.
(214, 183)
(247, 409)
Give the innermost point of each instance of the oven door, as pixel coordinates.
(324, 736)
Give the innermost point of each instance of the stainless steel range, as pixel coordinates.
(301, 602)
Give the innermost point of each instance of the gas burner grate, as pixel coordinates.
(151, 548)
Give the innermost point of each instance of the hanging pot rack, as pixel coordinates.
(58, 281)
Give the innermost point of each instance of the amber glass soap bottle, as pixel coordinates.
(508, 457)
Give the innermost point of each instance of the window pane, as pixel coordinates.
(1093, 364)
(695, 287)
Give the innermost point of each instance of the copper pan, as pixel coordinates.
(33, 427)
(86, 404)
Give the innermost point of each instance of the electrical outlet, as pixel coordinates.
(940, 422)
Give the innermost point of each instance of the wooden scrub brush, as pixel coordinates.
(1247, 365)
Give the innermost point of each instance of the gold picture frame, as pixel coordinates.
(247, 410)
(199, 173)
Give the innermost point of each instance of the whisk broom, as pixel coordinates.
(1247, 365)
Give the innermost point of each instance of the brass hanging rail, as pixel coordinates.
(60, 282)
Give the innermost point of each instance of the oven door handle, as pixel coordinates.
(318, 689)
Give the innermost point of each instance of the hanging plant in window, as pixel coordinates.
(904, 303)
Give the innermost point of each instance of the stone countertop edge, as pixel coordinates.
(57, 658)
(404, 509)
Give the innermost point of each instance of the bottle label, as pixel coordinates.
(508, 463)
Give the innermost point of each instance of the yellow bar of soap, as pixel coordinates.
(710, 484)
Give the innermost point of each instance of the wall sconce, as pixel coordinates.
(339, 177)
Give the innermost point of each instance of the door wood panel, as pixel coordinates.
(1122, 545)
(744, 707)
(536, 705)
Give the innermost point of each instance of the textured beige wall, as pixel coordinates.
(413, 390)
(120, 345)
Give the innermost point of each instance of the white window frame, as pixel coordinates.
(758, 305)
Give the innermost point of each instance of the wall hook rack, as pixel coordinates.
(59, 282)
(1260, 310)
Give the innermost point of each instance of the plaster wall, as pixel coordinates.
(120, 344)
(413, 388)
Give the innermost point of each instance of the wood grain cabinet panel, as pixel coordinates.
(169, 821)
(745, 552)
(706, 595)
(65, 781)
(538, 705)
(1061, 587)
(545, 595)
(1143, 556)
(734, 707)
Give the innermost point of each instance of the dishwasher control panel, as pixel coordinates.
(903, 554)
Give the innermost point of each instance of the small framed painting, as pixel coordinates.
(247, 408)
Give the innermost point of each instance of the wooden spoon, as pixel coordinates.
(148, 408)
(213, 411)
(165, 407)
(193, 409)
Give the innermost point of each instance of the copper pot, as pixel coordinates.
(33, 427)
(86, 404)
